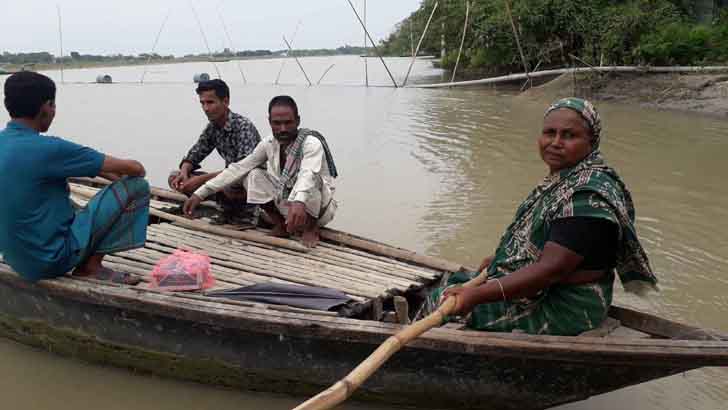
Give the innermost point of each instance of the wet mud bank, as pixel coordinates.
(705, 94)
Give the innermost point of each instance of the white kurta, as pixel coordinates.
(314, 185)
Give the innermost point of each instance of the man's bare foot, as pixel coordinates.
(311, 236)
(93, 268)
(279, 230)
(90, 267)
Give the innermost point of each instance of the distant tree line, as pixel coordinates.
(596, 32)
(44, 57)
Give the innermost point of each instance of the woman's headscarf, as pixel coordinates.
(587, 112)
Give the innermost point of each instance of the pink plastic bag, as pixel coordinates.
(182, 270)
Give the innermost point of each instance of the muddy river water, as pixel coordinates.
(437, 171)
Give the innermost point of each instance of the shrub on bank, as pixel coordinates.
(597, 32)
(680, 44)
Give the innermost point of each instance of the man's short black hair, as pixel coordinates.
(26, 92)
(220, 88)
(285, 101)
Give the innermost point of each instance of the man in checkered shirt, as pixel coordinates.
(232, 135)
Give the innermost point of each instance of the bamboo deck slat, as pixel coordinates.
(240, 261)
(309, 262)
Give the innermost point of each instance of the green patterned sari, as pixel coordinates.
(589, 189)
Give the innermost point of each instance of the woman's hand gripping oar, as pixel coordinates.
(344, 388)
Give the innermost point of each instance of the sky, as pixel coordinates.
(131, 26)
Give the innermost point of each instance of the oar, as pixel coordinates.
(345, 387)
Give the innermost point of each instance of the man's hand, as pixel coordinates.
(110, 176)
(191, 184)
(122, 167)
(467, 298)
(190, 205)
(178, 181)
(297, 217)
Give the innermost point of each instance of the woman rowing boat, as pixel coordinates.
(553, 271)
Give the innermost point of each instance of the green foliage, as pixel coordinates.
(674, 44)
(609, 32)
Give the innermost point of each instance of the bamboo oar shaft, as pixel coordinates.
(345, 387)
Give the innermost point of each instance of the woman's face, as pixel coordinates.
(565, 139)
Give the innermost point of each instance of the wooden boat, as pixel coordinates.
(273, 348)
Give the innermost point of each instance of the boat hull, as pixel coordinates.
(258, 356)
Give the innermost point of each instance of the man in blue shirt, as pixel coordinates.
(41, 235)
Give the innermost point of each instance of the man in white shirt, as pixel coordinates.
(296, 188)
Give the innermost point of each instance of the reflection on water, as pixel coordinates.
(439, 171)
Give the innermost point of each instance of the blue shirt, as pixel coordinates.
(35, 208)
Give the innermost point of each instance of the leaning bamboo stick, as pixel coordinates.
(518, 41)
(374, 45)
(462, 41)
(60, 41)
(345, 387)
(419, 44)
(283, 62)
(154, 47)
(290, 50)
(204, 38)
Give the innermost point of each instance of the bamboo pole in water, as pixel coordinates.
(204, 38)
(324, 74)
(60, 38)
(515, 34)
(290, 50)
(232, 48)
(462, 40)
(374, 45)
(345, 387)
(412, 39)
(366, 52)
(419, 44)
(283, 63)
(154, 46)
